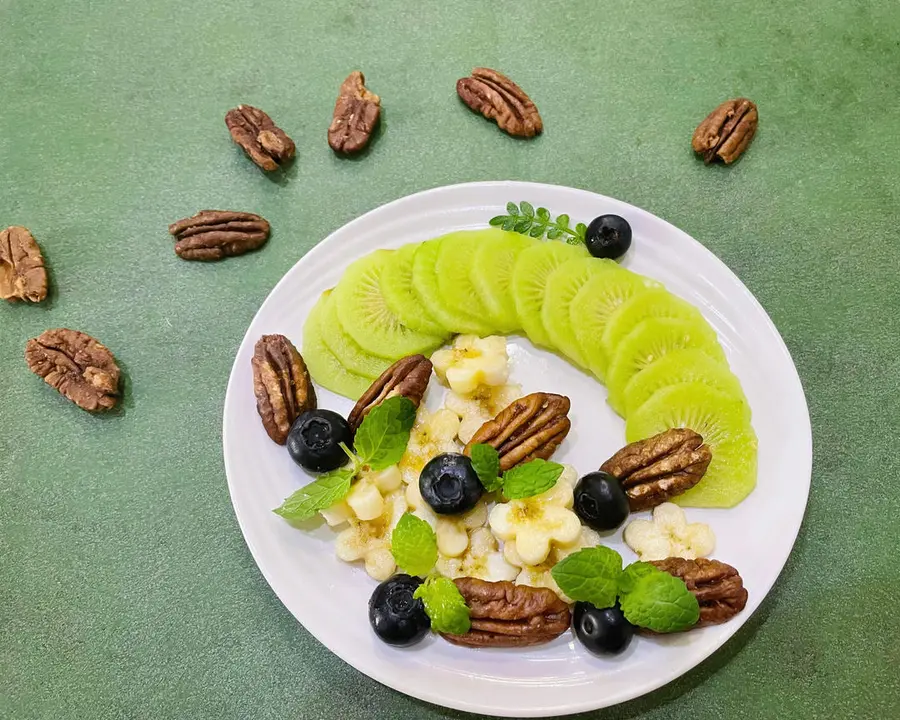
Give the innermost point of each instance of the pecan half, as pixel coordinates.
(216, 234)
(77, 365)
(507, 615)
(408, 376)
(356, 114)
(531, 427)
(22, 272)
(265, 143)
(727, 131)
(281, 384)
(718, 587)
(498, 98)
(656, 469)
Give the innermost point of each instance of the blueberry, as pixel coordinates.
(449, 484)
(396, 617)
(600, 501)
(603, 632)
(314, 440)
(608, 236)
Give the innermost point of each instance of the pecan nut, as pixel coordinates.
(507, 615)
(718, 587)
(727, 131)
(216, 234)
(281, 384)
(498, 98)
(22, 272)
(656, 469)
(77, 365)
(531, 427)
(265, 143)
(356, 114)
(408, 376)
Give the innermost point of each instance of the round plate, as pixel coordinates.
(330, 597)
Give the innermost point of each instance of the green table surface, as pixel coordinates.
(126, 589)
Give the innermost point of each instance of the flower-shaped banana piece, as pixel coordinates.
(370, 540)
(472, 361)
(482, 404)
(451, 531)
(482, 559)
(537, 524)
(668, 534)
(433, 433)
(365, 501)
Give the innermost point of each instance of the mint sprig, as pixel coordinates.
(486, 463)
(444, 605)
(531, 478)
(414, 545)
(323, 493)
(525, 220)
(591, 575)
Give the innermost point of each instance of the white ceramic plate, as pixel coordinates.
(330, 598)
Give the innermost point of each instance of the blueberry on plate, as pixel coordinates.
(600, 501)
(608, 236)
(314, 441)
(449, 484)
(602, 631)
(396, 617)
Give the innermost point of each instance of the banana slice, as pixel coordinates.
(472, 361)
(432, 434)
(482, 560)
(481, 405)
(370, 540)
(668, 534)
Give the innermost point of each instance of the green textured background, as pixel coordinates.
(126, 590)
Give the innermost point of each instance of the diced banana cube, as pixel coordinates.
(370, 540)
(472, 361)
(365, 500)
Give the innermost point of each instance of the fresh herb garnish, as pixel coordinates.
(531, 478)
(444, 605)
(323, 493)
(591, 575)
(414, 545)
(486, 462)
(524, 219)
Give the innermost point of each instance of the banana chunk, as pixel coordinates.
(482, 404)
(482, 559)
(370, 540)
(365, 501)
(668, 534)
(472, 361)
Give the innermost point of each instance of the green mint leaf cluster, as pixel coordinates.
(486, 462)
(444, 605)
(649, 597)
(414, 545)
(318, 495)
(524, 219)
(530, 479)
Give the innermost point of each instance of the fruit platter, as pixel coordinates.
(516, 449)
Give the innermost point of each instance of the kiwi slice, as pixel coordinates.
(322, 364)
(453, 269)
(425, 283)
(724, 423)
(650, 340)
(591, 307)
(366, 317)
(492, 270)
(348, 352)
(529, 281)
(401, 297)
(563, 285)
(656, 302)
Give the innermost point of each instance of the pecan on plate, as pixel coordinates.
(408, 376)
(656, 469)
(265, 143)
(507, 615)
(727, 131)
(498, 98)
(718, 587)
(281, 384)
(22, 272)
(78, 366)
(216, 234)
(531, 427)
(356, 114)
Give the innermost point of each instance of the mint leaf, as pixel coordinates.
(486, 462)
(591, 574)
(414, 545)
(384, 433)
(633, 573)
(530, 479)
(444, 605)
(658, 601)
(318, 495)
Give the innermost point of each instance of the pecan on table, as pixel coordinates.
(22, 272)
(507, 615)
(281, 384)
(498, 98)
(408, 376)
(657, 469)
(727, 131)
(718, 587)
(216, 234)
(265, 143)
(77, 365)
(356, 114)
(531, 427)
